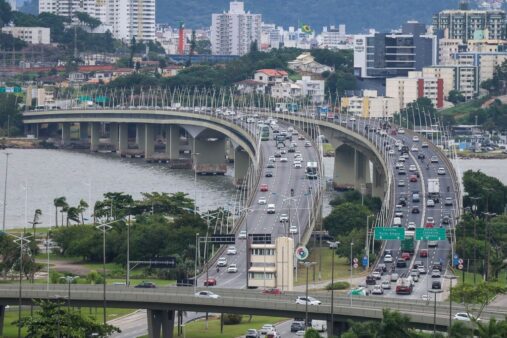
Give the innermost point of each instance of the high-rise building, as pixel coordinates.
(12, 3)
(466, 24)
(94, 8)
(233, 32)
(382, 55)
(408, 89)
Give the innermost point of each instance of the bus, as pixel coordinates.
(264, 132)
(311, 170)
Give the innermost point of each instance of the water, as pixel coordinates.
(495, 168)
(80, 175)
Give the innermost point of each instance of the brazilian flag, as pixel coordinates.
(306, 29)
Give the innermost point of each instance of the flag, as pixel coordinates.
(306, 29)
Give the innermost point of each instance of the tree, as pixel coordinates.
(459, 329)
(476, 297)
(345, 217)
(81, 208)
(232, 318)
(456, 97)
(492, 329)
(86, 19)
(5, 13)
(51, 320)
(36, 216)
(312, 333)
(59, 202)
(10, 116)
(203, 47)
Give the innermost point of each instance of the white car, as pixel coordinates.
(293, 229)
(310, 300)
(414, 149)
(266, 328)
(308, 144)
(272, 159)
(401, 183)
(231, 250)
(448, 201)
(424, 145)
(262, 200)
(232, 268)
(284, 218)
(401, 131)
(391, 152)
(412, 167)
(421, 269)
(297, 165)
(283, 159)
(222, 261)
(386, 285)
(415, 138)
(411, 226)
(207, 294)
(463, 316)
(441, 171)
(430, 203)
(434, 159)
(388, 259)
(377, 275)
(377, 290)
(242, 234)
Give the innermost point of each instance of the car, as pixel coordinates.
(432, 244)
(145, 285)
(414, 149)
(272, 291)
(446, 219)
(382, 267)
(394, 276)
(352, 119)
(377, 290)
(297, 325)
(401, 183)
(436, 285)
(386, 285)
(415, 138)
(231, 250)
(435, 273)
(271, 209)
(388, 259)
(448, 201)
(430, 219)
(277, 154)
(441, 171)
(413, 178)
(284, 159)
(391, 152)
(293, 229)
(207, 294)
(291, 149)
(388, 252)
(308, 144)
(401, 263)
(398, 165)
(377, 274)
(210, 282)
(252, 333)
(270, 165)
(297, 165)
(310, 300)
(232, 268)
(266, 328)
(284, 218)
(412, 167)
(301, 138)
(272, 159)
(411, 226)
(463, 316)
(415, 275)
(430, 203)
(268, 174)
(264, 187)
(262, 200)
(401, 131)
(242, 234)
(415, 197)
(434, 159)
(415, 210)
(424, 145)
(402, 172)
(423, 253)
(421, 156)
(371, 280)
(401, 159)
(300, 333)
(222, 261)
(405, 256)
(421, 269)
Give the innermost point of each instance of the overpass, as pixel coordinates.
(163, 302)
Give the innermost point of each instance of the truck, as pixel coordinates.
(407, 245)
(404, 285)
(434, 189)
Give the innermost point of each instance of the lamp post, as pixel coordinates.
(307, 265)
(450, 278)
(69, 280)
(351, 267)
(435, 310)
(474, 213)
(5, 189)
(195, 261)
(367, 244)
(332, 246)
(194, 155)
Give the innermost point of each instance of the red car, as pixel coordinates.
(429, 225)
(413, 178)
(264, 187)
(405, 256)
(210, 282)
(272, 291)
(423, 253)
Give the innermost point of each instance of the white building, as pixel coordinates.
(408, 89)
(314, 89)
(233, 32)
(305, 63)
(457, 77)
(486, 62)
(95, 8)
(335, 38)
(32, 35)
(370, 105)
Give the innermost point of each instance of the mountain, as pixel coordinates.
(358, 15)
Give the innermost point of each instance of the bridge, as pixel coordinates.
(361, 145)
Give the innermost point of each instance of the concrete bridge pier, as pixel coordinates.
(140, 136)
(113, 135)
(94, 136)
(344, 167)
(160, 323)
(2, 318)
(123, 139)
(362, 168)
(378, 184)
(149, 144)
(65, 133)
(241, 165)
(83, 131)
(338, 328)
(211, 159)
(172, 141)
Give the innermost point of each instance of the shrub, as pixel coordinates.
(338, 286)
(232, 319)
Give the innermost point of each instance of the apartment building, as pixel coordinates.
(32, 35)
(233, 32)
(408, 89)
(485, 62)
(455, 77)
(312, 88)
(369, 104)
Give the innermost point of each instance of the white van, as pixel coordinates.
(397, 222)
(271, 209)
(319, 325)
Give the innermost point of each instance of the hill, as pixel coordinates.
(357, 15)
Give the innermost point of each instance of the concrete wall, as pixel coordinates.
(211, 158)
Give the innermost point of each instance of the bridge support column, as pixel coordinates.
(362, 168)
(94, 136)
(338, 328)
(140, 138)
(2, 318)
(172, 141)
(65, 133)
(123, 139)
(83, 131)
(160, 323)
(211, 159)
(344, 167)
(149, 145)
(113, 135)
(241, 164)
(378, 184)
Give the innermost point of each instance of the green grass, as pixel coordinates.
(341, 267)
(197, 329)
(328, 148)
(11, 331)
(461, 111)
(469, 278)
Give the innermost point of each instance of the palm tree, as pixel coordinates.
(492, 329)
(81, 208)
(459, 329)
(72, 214)
(394, 324)
(59, 202)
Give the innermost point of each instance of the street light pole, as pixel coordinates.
(367, 244)
(194, 154)
(435, 310)
(195, 261)
(5, 189)
(333, 246)
(451, 278)
(307, 265)
(351, 267)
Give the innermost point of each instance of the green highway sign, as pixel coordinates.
(430, 234)
(387, 234)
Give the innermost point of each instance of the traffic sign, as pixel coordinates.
(355, 260)
(389, 234)
(430, 234)
(355, 265)
(460, 261)
(365, 261)
(301, 253)
(460, 266)
(222, 239)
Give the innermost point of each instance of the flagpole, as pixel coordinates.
(297, 34)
